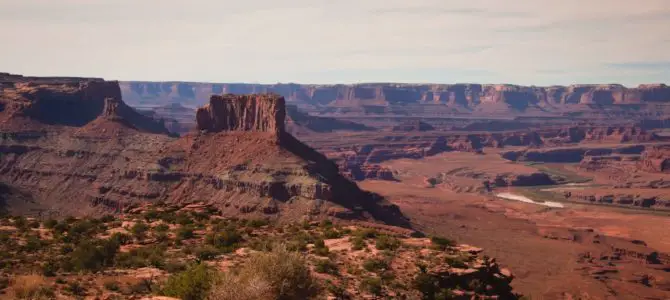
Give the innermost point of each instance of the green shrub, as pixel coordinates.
(76, 289)
(93, 255)
(257, 223)
(33, 244)
(331, 233)
(107, 218)
(139, 230)
(456, 262)
(372, 285)
(206, 252)
(49, 268)
(357, 243)
(226, 239)
(162, 228)
(441, 243)
(185, 232)
(50, 224)
(320, 248)
(325, 266)
(375, 265)
(385, 242)
(366, 233)
(192, 284)
(183, 219)
(112, 286)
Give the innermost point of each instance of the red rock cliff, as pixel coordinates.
(468, 95)
(262, 113)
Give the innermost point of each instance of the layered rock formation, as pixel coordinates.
(35, 102)
(656, 159)
(466, 95)
(242, 160)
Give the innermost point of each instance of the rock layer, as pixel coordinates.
(263, 113)
(466, 95)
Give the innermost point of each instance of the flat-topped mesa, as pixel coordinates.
(256, 113)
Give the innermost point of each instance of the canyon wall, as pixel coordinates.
(466, 95)
(264, 113)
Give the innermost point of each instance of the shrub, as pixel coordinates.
(75, 288)
(320, 248)
(279, 274)
(33, 244)
(192, 284)
(185, 233)
(49, 268)
(31, 287)
(366, 233)
(357, 243)
(107, 218)
(332, 234)
(112, 286)
(441, 243)
(183, 219)
(139, 230)
(257, 223)
(385, 242)
(206, 252)
(223, 240)
(162, 228)
(456, 262)
(375, 265)
(325, 266)
(372, 285)
(50, 224)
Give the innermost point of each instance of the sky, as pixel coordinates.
(529, 42)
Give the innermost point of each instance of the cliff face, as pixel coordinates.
(466, 95)
(263, 113)
(242, 160)
(656, 159)
(66, 101)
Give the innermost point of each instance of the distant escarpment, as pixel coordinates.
(473, 96)
(241, 160)
(34, 102)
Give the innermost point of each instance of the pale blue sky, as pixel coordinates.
(539, 42)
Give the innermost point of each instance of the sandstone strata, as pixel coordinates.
(469, 95)
(262, 113)
(241, 160)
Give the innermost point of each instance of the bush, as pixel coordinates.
(185, 233)
(192, 284)
(206, 252)
(224, 240)
(366, 233)
(385, 242)
(93, 256)
(325, 266)
(139, 230)
(320, 248)
(75, 288)
(357, 242)
(332, 234)
(50, 224)
(372, 285)
(456, 262)
(375, 265)
(441, 243)
(112, 286)
(279, 274)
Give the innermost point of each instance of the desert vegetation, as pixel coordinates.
(192, 252)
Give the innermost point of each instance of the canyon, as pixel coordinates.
(426, 157)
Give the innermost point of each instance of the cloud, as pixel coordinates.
(661, 65)
(517, 41)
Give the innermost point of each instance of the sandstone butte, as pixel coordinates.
(97, 155)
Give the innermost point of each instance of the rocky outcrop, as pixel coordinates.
(656, 159)
(74, 102)
(569, 155)
(260, 113)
